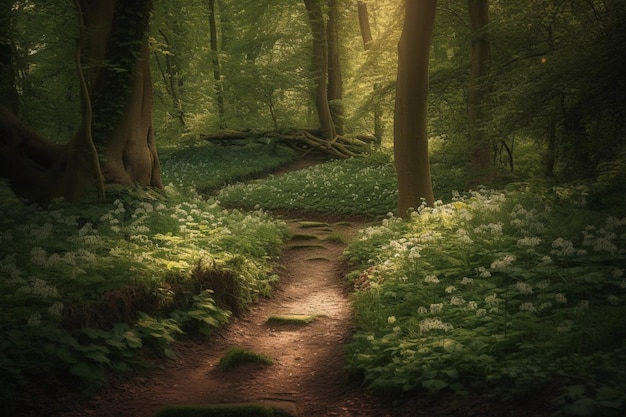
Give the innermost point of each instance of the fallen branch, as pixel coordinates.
(300, 139)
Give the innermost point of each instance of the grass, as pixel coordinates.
(236, 356)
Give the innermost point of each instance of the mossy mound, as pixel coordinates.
(224, 410)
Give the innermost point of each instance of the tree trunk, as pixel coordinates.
(215, 59)
(483, 168)
(410, 134)
(8, 90)
(320, 68)
(335, 80)
(366, 34)
(121, 97)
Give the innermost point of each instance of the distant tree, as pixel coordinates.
(335, 79)
(215, 60)
(410, 133)
(8, 91)
(483, 169)
(119, 89)
(320, 68)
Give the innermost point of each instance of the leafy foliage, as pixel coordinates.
(494, 290)
(87, 289)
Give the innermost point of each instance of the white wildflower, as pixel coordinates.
(503, 263)
(34, 320)
(450, 289)
(524, 288)
(560, 298)
(482, 272)
(431, 279)
(391, 319)
(467, 281)
(436, 308)
(528, 242)
(429, 324)
(492, 300)
(457, 300)
(564, 327)
(528, 306)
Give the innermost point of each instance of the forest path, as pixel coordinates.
(307, 377)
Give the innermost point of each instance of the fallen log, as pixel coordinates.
(300, 139)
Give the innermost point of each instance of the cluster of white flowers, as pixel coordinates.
(524, 288)
(563, 247)
(436, 308)
(528, 306)
(40, 288)
(528, 242)
(600, 240)
(431, 279)
(493, 229)
(504, 262)
(429, 324)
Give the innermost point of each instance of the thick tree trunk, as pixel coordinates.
(335, 79)
(121, 94)
(483, 168)
(410, 134)
(320, 68)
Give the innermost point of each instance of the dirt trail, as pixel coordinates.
(307, 377)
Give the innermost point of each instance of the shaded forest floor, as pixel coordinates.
(307, 377)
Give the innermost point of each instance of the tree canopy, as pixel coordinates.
(552, 78)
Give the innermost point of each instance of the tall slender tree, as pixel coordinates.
(215, 59)
(320, 68)
(410, 133)
(483, 169)
(8, 91)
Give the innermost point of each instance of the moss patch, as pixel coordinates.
(223, 410)
(236, 356)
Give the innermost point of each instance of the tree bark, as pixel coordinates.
(483, 168)
(335, 79)
(366, 34)
(215, 59)
(410, 133)
(320, 68)
(121, 95)
(8, 90)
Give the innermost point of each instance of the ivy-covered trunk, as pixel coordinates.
(116, 138)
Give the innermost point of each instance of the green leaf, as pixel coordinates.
(434, 385)
(583, 407)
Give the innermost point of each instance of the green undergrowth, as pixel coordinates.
(206, 167)
(223, 410)
(236, 356)
(89, 289)
(509, 292)
(363, 186)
